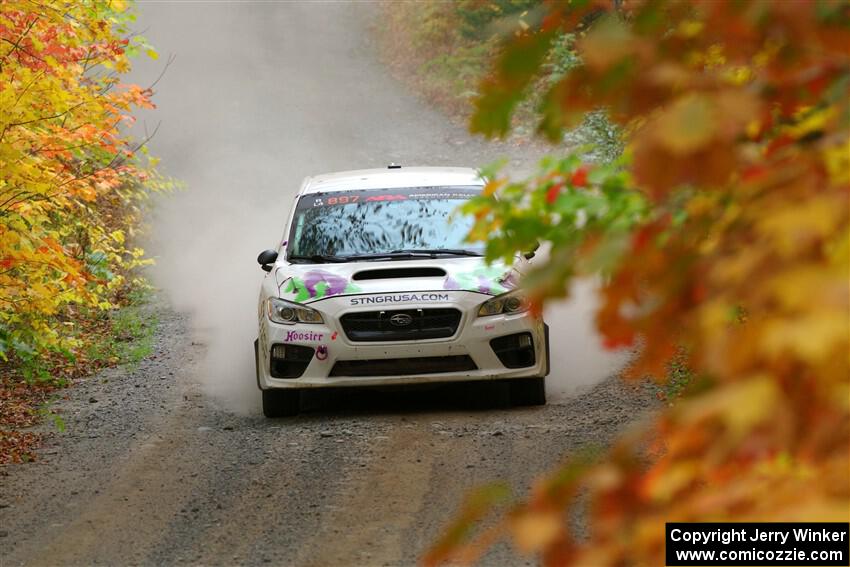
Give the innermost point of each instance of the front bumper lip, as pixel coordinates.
(472, 338)
(348, 381)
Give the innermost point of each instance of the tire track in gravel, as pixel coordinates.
(277, 503)
(108, 525)
(376, 506)
(108, 466)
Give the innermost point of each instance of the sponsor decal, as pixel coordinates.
(398, 298)
(303, 336)
(322, 352)
(337, 198)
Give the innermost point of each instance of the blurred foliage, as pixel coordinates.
(724, 230)
(477, 18)
(444, 50)
(423, 43)
(599, 139)
(560, 207)
(72, 181)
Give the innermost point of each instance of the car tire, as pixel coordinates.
(281, 403)
(528, 391)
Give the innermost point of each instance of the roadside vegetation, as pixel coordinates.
(73, 189)
(443, 50)
(722, 231)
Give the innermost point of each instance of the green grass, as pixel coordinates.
(131, 333)
(679, 377)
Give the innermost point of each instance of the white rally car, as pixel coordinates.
(373, 284)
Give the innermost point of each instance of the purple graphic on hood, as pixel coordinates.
(492, 280)
(484, 284)
(510, 280)
(336, 284)
(317, 284)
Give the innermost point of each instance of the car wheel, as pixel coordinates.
(528, 391)
(281, 403)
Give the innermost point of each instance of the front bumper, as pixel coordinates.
(467, 355)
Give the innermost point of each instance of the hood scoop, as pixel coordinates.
(394, 273)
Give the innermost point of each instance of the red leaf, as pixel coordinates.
(579, 178)
(553, 192)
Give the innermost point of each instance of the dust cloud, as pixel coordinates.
(259, 96)
(208, 269)
(578, 359)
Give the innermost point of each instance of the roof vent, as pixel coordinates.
(393, 166)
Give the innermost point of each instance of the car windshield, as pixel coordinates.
(343, 224)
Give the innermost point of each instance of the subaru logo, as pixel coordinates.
(401, 319)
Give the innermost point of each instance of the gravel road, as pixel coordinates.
(170, 461)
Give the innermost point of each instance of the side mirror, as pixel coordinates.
(532, 253)
(266, 259)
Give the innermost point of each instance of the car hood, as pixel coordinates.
(305, 283)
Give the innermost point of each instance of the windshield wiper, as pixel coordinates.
(393, 255)
(319, 258)
(435, 251)
(408, 254)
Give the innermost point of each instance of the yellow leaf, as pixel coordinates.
(687, 125)
(811, 337)
(690, 28)
(740, 405)
(791, 228)
(534, 530)
(493, 186)
(606, 44)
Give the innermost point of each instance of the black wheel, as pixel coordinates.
(281, 403)
(528, 391)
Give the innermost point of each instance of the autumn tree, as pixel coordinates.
(71, 179)
(723, 231)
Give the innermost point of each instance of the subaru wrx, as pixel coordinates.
(373, 284)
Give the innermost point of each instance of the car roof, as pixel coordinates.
(393, 177)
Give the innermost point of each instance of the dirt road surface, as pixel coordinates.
(156, 465)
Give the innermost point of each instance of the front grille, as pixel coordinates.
(372, 326)
(403, 366)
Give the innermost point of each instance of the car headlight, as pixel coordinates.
(289, 313)
(505, 304)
